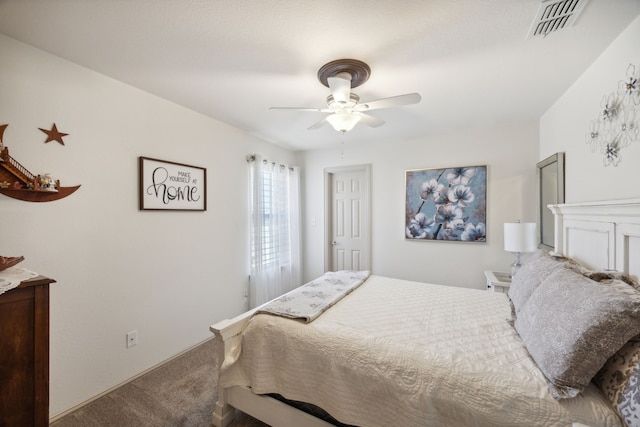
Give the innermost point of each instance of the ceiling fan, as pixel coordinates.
(344, 106)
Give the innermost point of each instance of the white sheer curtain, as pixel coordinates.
(274, 209)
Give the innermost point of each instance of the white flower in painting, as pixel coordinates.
(475, 233)
(442, 198)
(418, 227)
(461, 195)
(430, 190)
(450, 216)
(461, 175)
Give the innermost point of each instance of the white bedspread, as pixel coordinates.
(399, 353)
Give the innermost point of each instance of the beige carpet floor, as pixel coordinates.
(180, 393)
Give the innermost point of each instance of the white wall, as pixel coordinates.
(510, 153)
(564, 125)
(168, 275)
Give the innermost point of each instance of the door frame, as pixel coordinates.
(328, 211)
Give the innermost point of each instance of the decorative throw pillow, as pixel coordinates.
(621, 285)
(619, 380)
(571, 263)
(571, 325)
(529, 277)
(599, 276)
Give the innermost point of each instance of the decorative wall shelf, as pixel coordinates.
(38, 196)
(18, 183)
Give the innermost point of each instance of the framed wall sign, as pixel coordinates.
(172, 186)
(446, 204)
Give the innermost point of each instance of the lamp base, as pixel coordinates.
(516, 265)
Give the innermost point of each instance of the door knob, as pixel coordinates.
(334, 243)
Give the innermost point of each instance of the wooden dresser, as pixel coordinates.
(24, 354)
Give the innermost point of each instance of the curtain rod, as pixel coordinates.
(252, 158)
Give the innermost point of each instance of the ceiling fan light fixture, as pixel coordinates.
(343, 121)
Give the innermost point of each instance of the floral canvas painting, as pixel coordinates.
(447, 204)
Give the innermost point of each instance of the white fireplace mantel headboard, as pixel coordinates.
(601, 235)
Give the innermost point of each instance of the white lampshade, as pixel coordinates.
(343, 121)
(520, 237)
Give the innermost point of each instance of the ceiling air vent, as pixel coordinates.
(554, 15)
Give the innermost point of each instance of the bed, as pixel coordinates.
(386, 352)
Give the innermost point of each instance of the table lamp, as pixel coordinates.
(519, 237)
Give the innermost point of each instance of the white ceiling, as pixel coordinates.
(233, 59)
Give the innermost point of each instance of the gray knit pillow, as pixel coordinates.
(571, 325)
(529, 277)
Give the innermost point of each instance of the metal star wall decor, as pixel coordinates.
(54, 134)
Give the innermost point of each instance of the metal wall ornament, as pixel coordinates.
(618, 123)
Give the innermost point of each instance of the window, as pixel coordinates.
(275, 230)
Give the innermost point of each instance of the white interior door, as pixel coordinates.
(348, 219)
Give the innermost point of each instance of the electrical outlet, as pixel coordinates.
(132, 338)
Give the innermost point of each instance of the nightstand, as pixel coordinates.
(497, 281)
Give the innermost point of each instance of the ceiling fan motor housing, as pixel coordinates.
(337, 105)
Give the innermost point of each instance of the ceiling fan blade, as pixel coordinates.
(318, 125)
(393, 101)
(368, 120)
(315, 110)
(340, 87)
